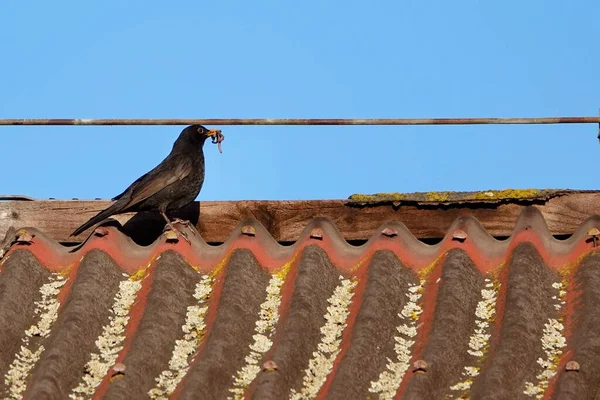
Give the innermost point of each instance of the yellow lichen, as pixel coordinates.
(448, 196)
(507, 194)
(426, 270)
(139, 274)
(378, 196)
(437, 196)
(357, 266)
(567, 269)
(496, 271)
(66, 271)
(285, 268)
(220, 266)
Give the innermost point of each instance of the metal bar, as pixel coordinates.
(306, 121)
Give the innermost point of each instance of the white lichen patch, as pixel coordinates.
(193, 334)
(480, 338)
(109, 342)
(553, 342)
(320, 365)
(389, 380)
(263, 334)
(31, 348)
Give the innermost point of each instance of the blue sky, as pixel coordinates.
(275, 59)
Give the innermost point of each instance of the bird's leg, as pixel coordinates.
(170, 225)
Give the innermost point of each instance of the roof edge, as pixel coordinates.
(564, 210)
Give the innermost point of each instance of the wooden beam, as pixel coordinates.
(285, 220)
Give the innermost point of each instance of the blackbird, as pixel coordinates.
(171, 185)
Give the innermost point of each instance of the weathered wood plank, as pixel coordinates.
(285, 220)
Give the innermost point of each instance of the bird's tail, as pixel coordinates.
(113, 209)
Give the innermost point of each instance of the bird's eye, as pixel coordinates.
(200, 130)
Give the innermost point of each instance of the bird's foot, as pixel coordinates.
(188, 224)
(183, 222)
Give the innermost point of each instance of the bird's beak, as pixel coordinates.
(213, 132)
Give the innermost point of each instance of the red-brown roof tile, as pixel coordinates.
(392, 318)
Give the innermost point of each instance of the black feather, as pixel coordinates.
(171, 185)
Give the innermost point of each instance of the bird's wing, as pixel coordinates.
(156, 180)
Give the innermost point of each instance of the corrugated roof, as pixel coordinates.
(471, 316)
